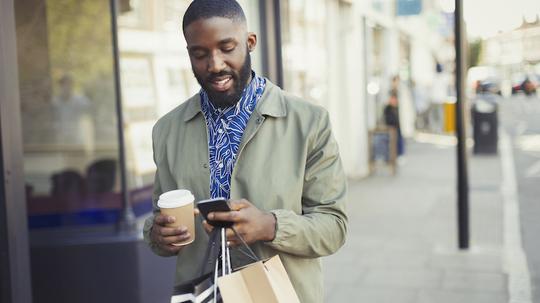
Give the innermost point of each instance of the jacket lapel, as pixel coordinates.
(271, 104)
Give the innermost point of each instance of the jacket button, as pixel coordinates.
(205, 165)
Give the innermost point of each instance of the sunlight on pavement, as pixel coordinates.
(436, 139)
(439, 139)
(530, 143)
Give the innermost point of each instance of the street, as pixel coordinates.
(520, 118)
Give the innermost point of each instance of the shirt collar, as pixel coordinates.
(246, 102)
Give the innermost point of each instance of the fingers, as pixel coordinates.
(207, 227)
(163, 220)
(172, 231)
(160, 233)
(196, 212)
(168, 241)
(239, 204)
(235, 214)
(231, 216)
(233, 239)
(165, 237)
(230, 234)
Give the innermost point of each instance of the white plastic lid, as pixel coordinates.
(175, 198)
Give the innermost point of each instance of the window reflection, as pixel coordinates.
(68, 112)
(155, 78)
(69, 108)
(305, 56)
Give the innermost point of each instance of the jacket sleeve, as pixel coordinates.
(322, 227)
(161, 173)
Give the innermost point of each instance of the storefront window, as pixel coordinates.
(68, 112)
(135, 14)
(304, 52)
(377, 86)
(71, 144)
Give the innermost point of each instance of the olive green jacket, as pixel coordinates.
(288, 163)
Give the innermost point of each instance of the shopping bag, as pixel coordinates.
(203, 289)
(197, 290)
(260, 282)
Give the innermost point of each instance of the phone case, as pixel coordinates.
(214, 205)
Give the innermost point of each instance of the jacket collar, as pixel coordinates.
(271, 103)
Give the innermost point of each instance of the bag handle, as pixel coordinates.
(212, 251)
(249, 253)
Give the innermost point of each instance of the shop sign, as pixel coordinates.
(408, 7)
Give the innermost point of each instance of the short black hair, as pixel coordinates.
(205, 9)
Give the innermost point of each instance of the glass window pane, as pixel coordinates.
(305, 60)
(155, 78)
(68, 112)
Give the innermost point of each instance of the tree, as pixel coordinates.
(474, 52)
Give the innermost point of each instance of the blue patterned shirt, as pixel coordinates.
(225, 129)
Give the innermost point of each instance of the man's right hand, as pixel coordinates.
(164, 236)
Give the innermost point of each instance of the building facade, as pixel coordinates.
(515, 53)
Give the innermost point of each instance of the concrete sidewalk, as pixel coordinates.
(402, 244)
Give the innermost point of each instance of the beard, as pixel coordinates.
(227, 99)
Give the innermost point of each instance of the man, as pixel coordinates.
(72, 115)
(391, 118)
(245, 139)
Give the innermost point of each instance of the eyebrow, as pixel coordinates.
(226, 41)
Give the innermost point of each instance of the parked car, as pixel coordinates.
(526, 83)
(487, 86)
(483, 79)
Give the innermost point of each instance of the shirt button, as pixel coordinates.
(220, 131)
(205, 165)
(220, 165)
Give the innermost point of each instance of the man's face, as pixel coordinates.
(219, 53)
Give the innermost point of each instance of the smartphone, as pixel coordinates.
(214, 205)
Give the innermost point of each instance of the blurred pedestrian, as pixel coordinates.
(421, 104)
(72, 114)
(394, 86)
(391, 119)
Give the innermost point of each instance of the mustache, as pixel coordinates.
(212, 77)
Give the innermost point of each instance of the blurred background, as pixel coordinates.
(80, 97)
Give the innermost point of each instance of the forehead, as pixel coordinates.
(213, 30)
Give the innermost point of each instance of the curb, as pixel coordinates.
(514, 258)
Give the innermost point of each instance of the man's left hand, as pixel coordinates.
(251, 223)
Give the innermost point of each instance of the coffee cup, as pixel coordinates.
(179, 204)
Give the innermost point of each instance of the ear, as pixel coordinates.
(251, 41)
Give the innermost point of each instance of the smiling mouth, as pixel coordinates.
(221, 84)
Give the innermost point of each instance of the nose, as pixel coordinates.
(215, 63)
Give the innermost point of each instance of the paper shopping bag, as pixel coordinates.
(260, 282)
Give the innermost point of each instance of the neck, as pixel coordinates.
(249, 79)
